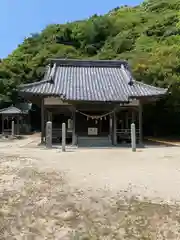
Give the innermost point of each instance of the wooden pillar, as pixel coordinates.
(114, 128)
(126, 120)
(133, 116)
(122, 120)
(140, 124)
(49, 116)
(110, 127)
(2, 124)
(29, 122)
(74, 128)
(45, 121)
(42, 121)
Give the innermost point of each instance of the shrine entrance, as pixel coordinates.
(92, 124)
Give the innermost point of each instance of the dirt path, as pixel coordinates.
(88, 194)
(152, 172)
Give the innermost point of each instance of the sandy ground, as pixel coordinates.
(88, 193)
(153, 171)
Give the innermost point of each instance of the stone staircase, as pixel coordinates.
(88, 141)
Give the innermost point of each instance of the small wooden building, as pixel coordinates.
(20, 118)
(98, 100)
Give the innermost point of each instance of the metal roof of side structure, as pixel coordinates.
(91, 80)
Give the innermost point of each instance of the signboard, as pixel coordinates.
(92, 131)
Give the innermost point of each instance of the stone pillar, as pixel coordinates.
(114, 129)
(133, 137)
(42, 121)
(12, 128)
(63, 137)
(140, 124)
(74, 129)
(18, 125)
(49, 134)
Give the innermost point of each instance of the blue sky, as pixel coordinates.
(19, 18)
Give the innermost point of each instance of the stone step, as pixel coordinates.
(94, 141)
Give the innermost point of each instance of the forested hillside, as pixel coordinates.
(148, 36)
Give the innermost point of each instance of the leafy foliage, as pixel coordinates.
(148, 36)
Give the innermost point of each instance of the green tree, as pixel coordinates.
(148, 36)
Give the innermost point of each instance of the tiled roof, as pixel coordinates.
(108, 81)
(23, 109)
(10, 110)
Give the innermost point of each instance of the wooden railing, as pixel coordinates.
(57, 133)
(8, 131)
(125, 134)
